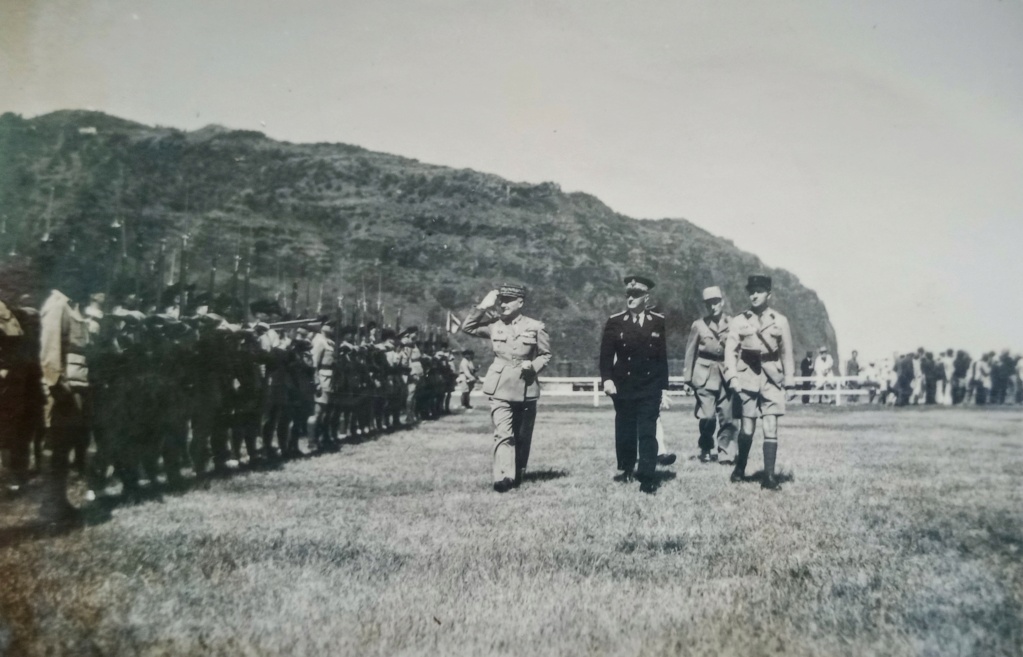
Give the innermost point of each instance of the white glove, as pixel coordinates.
(489, 301)
(665, 403)
(609, 388)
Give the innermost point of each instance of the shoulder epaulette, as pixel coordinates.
(618, 314)
(656, 314)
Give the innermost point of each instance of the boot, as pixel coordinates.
(770, 453)
(745, 443)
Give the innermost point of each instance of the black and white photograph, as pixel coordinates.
(536, 327)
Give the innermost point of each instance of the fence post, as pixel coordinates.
(596, 393)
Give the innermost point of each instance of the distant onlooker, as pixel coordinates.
(947, 364)
(904, 381)
(917, 384)
(929, 369)
(982, 379)
(822, 372)
(806, 370)
(852, 366)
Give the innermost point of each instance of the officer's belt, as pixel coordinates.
(709, 356)
(326, 369)
(754, 357)
(513, 361)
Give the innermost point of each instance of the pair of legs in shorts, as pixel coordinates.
(767, 402)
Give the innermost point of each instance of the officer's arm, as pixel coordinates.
(319, 347)
(607, 352)
(478, 323)
(50, 354)
(689, 364)
(732, 343)
(543, 349)
(662, 358)
(787, 359)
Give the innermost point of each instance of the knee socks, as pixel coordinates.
(707, 434)
(770, 452)
(745, 443)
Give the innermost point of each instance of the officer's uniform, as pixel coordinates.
(704, 371)
(411, 360)
(634, 355)
(758, 361)
(513, 391)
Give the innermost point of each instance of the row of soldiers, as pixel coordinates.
(155, 393)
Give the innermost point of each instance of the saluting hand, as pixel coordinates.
(489, 301)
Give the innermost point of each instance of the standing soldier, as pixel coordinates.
(634, 369)
(411, 360)
(758, 360)
(326, 397)
(63, 341)
(704, 372)
(521, 351)
(467, 378)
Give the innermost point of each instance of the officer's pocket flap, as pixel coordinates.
(493, 377)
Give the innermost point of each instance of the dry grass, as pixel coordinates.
(900, 534)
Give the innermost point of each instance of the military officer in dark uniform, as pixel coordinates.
(704, 372)
(634, 370)
(758, 362)
(522, 349)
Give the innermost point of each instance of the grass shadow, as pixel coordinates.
(543, 475)
(782, 477)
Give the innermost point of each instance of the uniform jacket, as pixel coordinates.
(467, 371)
(411, 359)
(519, 341)
(63, 340)
(823, 366)
(706, 339)
(323, 352)
(770, 336)
(634, 355)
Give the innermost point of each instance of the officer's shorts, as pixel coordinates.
(715, 403)
(768, 400)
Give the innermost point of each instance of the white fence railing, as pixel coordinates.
(591, 386)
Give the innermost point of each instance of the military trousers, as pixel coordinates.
(513, 437)
(636, 433)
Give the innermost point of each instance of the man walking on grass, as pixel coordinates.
(522, 349)
(634, 370)
(704, 372)
(758, 361)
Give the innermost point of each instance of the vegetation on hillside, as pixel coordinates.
(111, 195)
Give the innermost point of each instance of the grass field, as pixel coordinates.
(900, 533)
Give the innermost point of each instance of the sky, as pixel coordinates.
(874, 148)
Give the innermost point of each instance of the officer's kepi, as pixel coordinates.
(637, 283)
(758, 282)
(512, 290)
(712, 293)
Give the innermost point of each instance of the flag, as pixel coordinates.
(454, 324)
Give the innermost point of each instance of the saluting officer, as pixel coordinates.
(634, 369)
(704, 372)
(521, 351)
(758, 361)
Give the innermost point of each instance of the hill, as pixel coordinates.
(107, 193)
